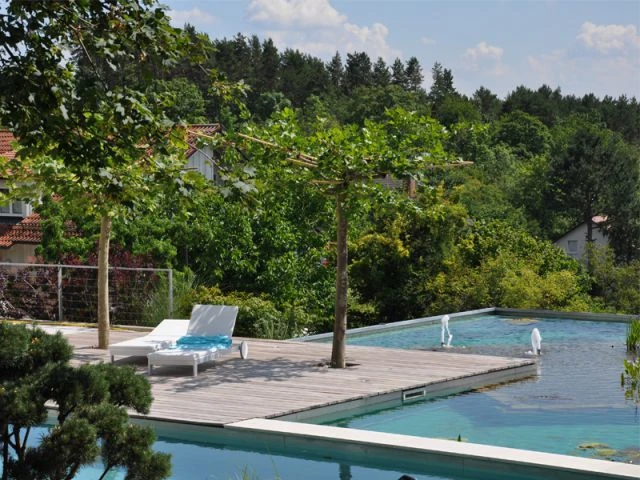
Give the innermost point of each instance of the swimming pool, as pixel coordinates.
(210, 453)
(574, 406)
(214, 453)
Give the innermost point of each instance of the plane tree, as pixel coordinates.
(73, 90)
(342, 163)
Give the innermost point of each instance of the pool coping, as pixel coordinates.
(512, 312)
(457, 457)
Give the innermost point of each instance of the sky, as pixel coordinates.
(581, 46)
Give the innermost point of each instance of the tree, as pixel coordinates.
(269, 66)
(92, 418)
(414, 75)
(543, 103)
(336, 71)
(398, 74)
(371, 103)
(357, 71)
(524, 133)
(488, 103)
(456, 109)
(93, 136)
(594, 173)
(301, 76)
(442, 86)
(188, 102)
(342, 163)
(381, 76)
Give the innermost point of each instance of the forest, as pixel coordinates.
(469, 225)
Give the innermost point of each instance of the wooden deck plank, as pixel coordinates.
(284, 377)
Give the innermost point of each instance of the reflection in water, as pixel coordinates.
(345, 471)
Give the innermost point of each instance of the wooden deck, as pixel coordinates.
(290, 378)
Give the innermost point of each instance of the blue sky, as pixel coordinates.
(581, 46)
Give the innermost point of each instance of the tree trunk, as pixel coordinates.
(103, 282)
(5, 451)
(340, 325)
(588, 220)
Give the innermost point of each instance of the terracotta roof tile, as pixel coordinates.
(26, 231)
(6, 149)
(192, 134)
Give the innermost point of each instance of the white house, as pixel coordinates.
(20, 229)
(575, 241)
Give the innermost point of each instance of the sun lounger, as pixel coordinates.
(208, 337)
(163, 336)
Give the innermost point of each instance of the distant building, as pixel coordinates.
(574, 241)
(20, 227)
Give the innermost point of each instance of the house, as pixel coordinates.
(20, 227)
(574, 241)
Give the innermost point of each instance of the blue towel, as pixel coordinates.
(203, 342)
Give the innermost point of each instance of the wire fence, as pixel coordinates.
(137, 296)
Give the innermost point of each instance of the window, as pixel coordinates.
(16, 208)
(572, 246)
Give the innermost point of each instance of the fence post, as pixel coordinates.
(59, 293)
(170, 281)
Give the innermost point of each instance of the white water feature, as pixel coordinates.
(444, 321)
(536, 342)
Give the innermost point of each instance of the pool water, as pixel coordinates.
(573, 406)
(200, 453)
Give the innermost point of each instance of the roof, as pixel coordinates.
(599, 222)
(203, 129)
(6, 149)
(28, 230)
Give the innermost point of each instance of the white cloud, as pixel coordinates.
(484, 50)
(195, 16)
(317, 28)
(486, 58)
(602, 75)
(608, 38)
(300, 13)
(427, 41)
(604, 61)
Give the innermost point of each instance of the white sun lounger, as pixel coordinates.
(207, 338)
(163, 336)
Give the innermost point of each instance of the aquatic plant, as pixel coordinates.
(632, 380)
(633, 336)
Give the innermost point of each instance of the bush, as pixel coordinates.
(258, 317)
(157, 307)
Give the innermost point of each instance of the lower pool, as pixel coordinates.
(573, 406)
(209, 453)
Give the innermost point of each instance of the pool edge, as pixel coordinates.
(458, 456)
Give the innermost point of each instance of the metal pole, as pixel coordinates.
(170, 281)
(59, 293)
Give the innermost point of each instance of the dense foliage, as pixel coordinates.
(480, 235)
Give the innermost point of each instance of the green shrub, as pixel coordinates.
(258, 317)
(157, 307)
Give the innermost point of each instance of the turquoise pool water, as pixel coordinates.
(574, 406)
(200, 453)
